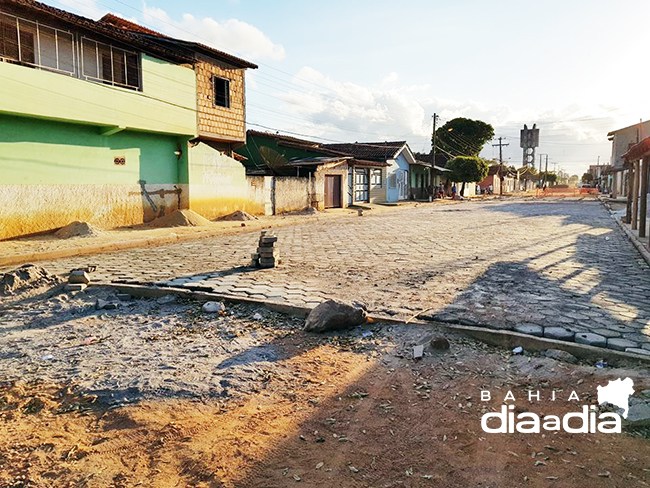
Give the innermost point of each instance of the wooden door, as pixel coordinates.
(332, 191)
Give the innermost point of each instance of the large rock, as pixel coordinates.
(335, 315)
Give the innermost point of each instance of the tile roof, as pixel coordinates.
(130, 33)
(373, 151)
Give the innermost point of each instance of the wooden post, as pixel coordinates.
(635, 197)
(643, 210)
(630, 189)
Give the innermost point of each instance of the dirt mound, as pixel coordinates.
(180, 218)
(239, 215)
(26, 277)
(77, 229)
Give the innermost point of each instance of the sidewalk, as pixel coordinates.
(617, 211)
(47, 246)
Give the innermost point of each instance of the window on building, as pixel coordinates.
(375, 178)
(221, 92)
(392, 181)
(35, 44)
(361, 189)
(110, 64)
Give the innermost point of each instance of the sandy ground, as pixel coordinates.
(346, 410)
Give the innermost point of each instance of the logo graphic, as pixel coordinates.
(615, 393)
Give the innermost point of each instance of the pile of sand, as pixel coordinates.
(180, 218)
(26, 277)
(239, 215)
(77, 229)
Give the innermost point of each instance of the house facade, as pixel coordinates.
(111, 124)
(510, 181)
(622, 140)
(300, 173)
(379, 171)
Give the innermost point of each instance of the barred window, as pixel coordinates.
(34, 44)
(375, 178)
(110, 64)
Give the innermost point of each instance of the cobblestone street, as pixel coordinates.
(562, 269)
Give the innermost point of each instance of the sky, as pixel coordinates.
(345, 71)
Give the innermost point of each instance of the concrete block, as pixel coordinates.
(559, 333)
(418, 352)
(620, 344)
(530, 329)
(590, 339)
(79, 276)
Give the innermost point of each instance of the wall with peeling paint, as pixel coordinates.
(52, 173)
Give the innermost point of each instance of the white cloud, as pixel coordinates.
(87, 8)
(232, 36)
(343, 111)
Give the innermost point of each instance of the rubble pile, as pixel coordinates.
(267, 255)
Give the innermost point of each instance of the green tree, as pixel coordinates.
(548, 177)
(467, 169)
(587, 178)
(573, 180)
(463, 137)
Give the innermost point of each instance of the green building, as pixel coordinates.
(110, 123)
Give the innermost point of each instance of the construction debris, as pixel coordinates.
(78, 280)
(79, 276)
(27, 276)
(267, 255)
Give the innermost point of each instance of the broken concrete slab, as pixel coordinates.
(334, 315)
(638, 415)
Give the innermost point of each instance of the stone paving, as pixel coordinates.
(559, 268)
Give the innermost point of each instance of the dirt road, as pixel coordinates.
(349, 410)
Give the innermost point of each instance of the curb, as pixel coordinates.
(500, 338)
(645, 254)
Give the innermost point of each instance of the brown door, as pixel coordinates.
(332, 191)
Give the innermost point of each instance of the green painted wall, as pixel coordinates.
(167, 103)
(36, 151)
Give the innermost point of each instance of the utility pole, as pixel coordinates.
(433, 151)
(500, 146)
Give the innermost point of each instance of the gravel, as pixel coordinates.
(141, 348)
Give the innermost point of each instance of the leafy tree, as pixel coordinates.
(573, 180)
(587, 178)
(467, 169)
(548, 177)
(463, 137)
